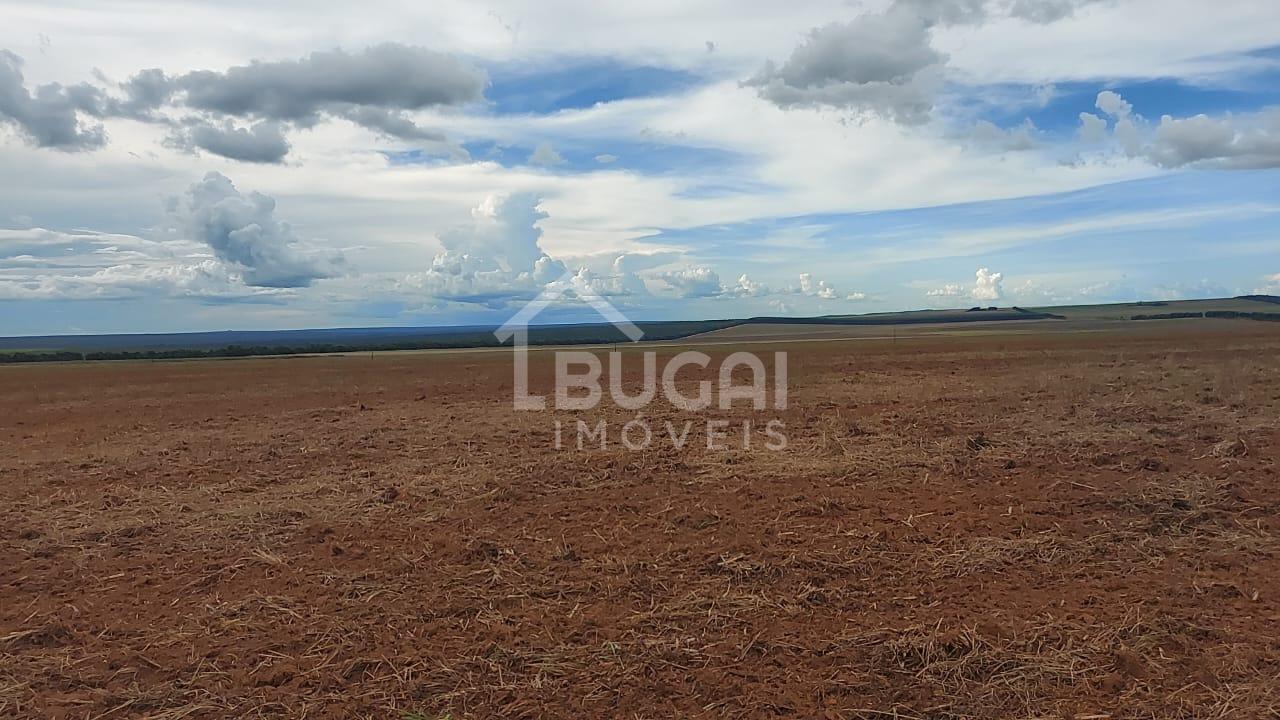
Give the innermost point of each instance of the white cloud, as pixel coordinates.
(1112, 104)
(617, 285)
(1248, 141)
(545, 155)
(988, 285)
(815, 288)
(1013, 139)
(634, 262)
(40, 264)
(885, 63)
(1242, 141)
(950, 290)
(1197, 290)
(746, 287)
(1270, 285)
(243, 232)
(55, 115)
(374, 179)
(263, 142)
(494, 259)
(503, 230)
(373, 87)
(1093, 129)
(878, 63)
(693, 282)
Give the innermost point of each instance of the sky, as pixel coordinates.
(187, 165)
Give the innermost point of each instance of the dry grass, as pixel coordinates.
(1044, 529)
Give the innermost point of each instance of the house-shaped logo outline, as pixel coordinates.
(518, 326)
(517, 330)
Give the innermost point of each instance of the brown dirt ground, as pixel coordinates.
(1061, 526)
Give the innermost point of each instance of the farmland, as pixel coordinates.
(1012, 521)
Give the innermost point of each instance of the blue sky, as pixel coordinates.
(578, 83)
(441, 165)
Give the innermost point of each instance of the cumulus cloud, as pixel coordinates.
(950, 290)
(693, 282)
(606, 158)
(1112, 104)
(1243, 141)
(242, 231)
(1093, 129)
(144, 93)
(1184, 141)
(816, 288)
(617, 284)
(879, 63)
(496, 259)
(1045, 11)
(959, 12)
(388, 76)
(988, 285)
(746, 287)
(54, 115)
(476, 280)
(375, 88)
(545, 155)
(263, 142)
(1232, 142)
(884, 64)
(503, 229)
(492, 260)
(703, 282)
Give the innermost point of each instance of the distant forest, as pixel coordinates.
(361, 341)
(240, 344)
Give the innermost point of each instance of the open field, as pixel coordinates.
(965, 525)
(795, 332)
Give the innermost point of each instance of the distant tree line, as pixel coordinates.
(594, 334)
(1271, 316)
